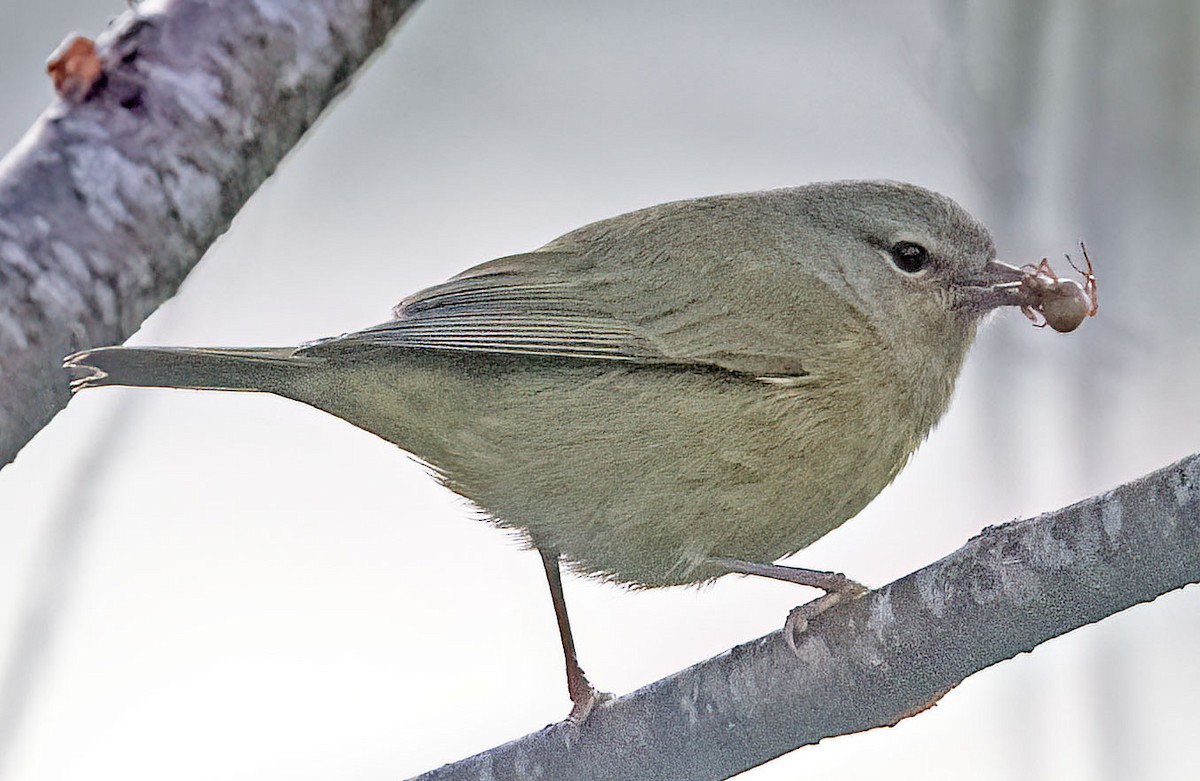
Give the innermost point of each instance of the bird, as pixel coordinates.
(664, 397)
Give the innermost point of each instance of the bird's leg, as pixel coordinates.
(583, 695)
(837, 588)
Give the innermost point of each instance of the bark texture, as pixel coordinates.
(122, 184)
(889, 655)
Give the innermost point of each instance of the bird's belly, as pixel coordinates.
(640, 474)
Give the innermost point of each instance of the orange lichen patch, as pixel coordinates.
(922, 707)
(75, 67)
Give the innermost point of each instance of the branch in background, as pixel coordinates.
(162, 132)
(48, 589)
(889, 655)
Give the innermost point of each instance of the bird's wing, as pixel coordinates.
(564, 304)
(525, 304)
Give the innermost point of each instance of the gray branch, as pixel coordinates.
(124, 182)
(889, 655)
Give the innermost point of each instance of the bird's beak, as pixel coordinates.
(998, 284)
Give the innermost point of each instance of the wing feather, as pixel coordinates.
(490, 309)
(613, 300)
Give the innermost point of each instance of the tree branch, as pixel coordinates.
(121, 185)
(889, 655)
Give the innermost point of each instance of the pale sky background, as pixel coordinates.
(238, 587)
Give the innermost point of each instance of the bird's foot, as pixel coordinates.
(585, 698)
(797, 620)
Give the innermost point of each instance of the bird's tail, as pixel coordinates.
(207, 368)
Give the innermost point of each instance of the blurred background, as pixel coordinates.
(213, 586)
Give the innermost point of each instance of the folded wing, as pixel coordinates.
(525, 304)
(565, 305)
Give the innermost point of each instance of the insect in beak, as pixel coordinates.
(1061, 303)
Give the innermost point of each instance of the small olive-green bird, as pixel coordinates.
(664, 397)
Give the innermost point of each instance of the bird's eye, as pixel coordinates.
(909, 256)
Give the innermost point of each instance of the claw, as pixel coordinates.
(797, 620)
(584, 704)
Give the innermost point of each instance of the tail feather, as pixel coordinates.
(204, 368)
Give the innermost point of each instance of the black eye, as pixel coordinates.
(909, 257)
